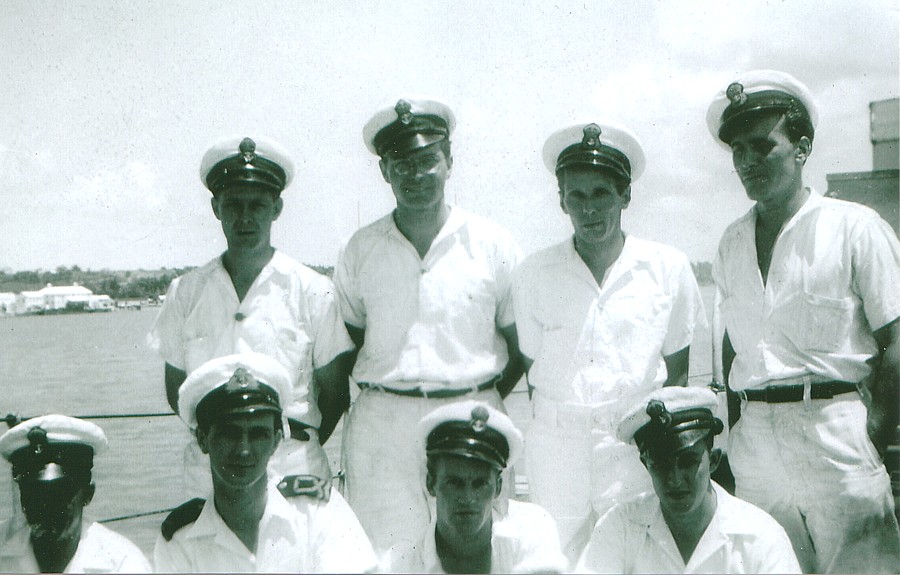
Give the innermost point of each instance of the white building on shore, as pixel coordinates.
(55, 298)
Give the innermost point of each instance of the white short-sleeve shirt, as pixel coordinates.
(296, 535)
(633, 537)
(290, 313)
(100, 550)
(834, 278)
(596, 345)
(430, 320)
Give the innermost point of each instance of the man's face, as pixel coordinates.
(54, 509)
(593, 203)
(681, 481)
(418, 177)
(239, 448)
(246, 213)
(464, 490)
(767, 162)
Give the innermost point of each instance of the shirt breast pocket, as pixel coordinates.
(815, 322)
(295, 348)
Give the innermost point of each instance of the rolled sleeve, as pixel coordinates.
(350, 302)
(330, 335)
(167, 334)
(687, 309)
(876, 271)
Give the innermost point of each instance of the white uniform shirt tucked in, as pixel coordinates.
(300, 535)
(522, 541)
(290, 313)
(833, 279)
(430, 320)
(633, 537)
(99, 551)
(597, 351)
(598, 345)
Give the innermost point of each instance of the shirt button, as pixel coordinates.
(239, 316)
(423, 270)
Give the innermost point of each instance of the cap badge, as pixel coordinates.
(241, 380)
(658, 413)
(37, 437)
(592, 136)
(735, 93)
(404, 111)
(480, 416)
(248, 150)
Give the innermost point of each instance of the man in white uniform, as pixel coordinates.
(603, 318)
(255, 298)
(425, 293)
(248, 523)
(464, 448)
(811, 350)
(688, 524)
(52, 457)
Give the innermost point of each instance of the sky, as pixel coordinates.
(108, 107)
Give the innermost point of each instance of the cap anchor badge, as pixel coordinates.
(735, 93)
(240, 380)
(592, 136)
(404, 111)
(37, 437)
(658, 413)
(480, 416)
(248, 150)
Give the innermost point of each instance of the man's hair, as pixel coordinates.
(797, 123)
(444, 147)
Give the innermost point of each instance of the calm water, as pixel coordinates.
(97, 364)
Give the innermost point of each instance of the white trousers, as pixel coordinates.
(813, 468)
(384, 468)
(577, 469)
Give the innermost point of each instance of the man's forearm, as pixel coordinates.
(883, 388)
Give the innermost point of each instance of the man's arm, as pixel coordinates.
(882, 387)
(677, 367)
(174, 378)
(514, 369)
(734, 402)
(333, 388)
(528, 362)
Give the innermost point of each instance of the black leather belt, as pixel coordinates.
(299, 430)
(433, 394)
(790, 393)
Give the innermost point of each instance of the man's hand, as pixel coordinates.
(881, 390)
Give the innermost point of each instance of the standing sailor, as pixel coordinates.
(255, 298)
(426, 295)
(811, 309)
(52, 457)
(603, 318)
(248, 523)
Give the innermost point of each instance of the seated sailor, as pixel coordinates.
(689, 524)
(251, 523)
(52, 457)
(465, 447)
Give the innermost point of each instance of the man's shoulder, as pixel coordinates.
(549, 256)
(482, 227)
(105, 537)
(307, 276)
(656, 251)
(743, 517)
(641, 511)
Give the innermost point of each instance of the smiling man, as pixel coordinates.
(255, 298)
(426, 296)
(52, 457)
(603, 318)
(247, 523)
(688, 524)
(809, 301)
(466, 447)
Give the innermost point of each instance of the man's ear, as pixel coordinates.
(279, 205)
(499, 485)
(715, 458)
(644, 461)
(804, 148)
(429, 484)
(562, 202)
(88, 494)
(214, 202)
(384, 171)
(203, 439)
(626, 196)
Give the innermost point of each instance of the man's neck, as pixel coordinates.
(53, 557)
(687, 529)
(772, 215)
(420, 227)
(242, 510)
(243, 266)
(464, 553)
(599, 257)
